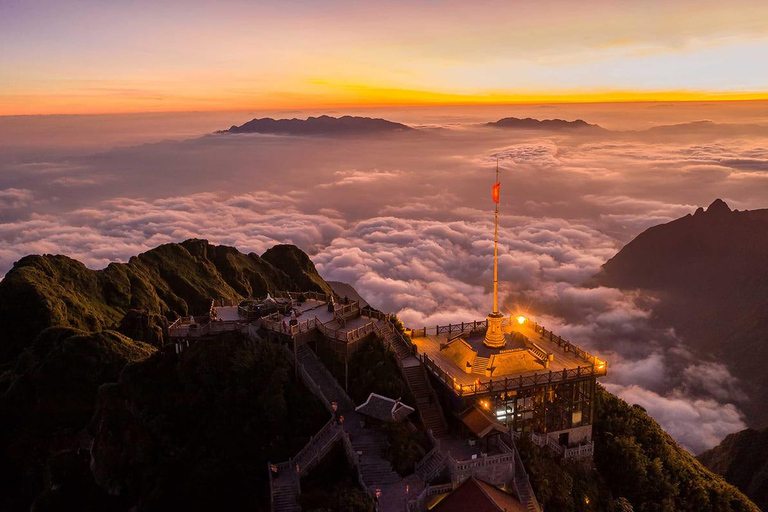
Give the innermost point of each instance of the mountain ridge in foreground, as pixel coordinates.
(139, 298)
(321, 125)
(94, 420)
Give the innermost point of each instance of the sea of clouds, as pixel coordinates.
(407, 220)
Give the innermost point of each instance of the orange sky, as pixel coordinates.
(89, 57)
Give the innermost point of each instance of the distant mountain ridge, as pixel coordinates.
(322, 125)
(529, 123)
(699, 128)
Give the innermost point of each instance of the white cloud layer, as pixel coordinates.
(407, 220)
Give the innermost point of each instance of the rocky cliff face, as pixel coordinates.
(710, 271)
(297, 266)
(141, 296)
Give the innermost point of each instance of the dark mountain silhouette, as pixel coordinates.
(546, 124)
(710, 271)
(323, 125)
(742, 458)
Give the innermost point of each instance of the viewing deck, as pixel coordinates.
(456, 355)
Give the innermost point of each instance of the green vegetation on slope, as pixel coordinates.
(195, 431)
(332, 486)
(373, 369)
(742, 459)
(47, 397)
(297, 265)
(166, 282)
(635, 463)
(404, 448)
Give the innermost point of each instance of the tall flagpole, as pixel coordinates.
(495, 250)
(494, 334)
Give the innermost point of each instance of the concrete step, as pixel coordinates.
(480, 365)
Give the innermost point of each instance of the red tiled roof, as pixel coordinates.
(480, 423)
(477, 496)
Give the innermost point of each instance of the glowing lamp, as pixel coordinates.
(521, 319)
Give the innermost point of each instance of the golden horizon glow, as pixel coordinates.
(171, 56)
(365, 97)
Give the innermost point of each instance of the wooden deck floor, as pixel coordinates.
(526, 364)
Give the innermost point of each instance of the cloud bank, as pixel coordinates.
(407, 220)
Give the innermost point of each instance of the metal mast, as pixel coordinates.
(494, 335)
(496, 251)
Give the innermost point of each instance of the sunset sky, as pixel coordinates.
(92, 56)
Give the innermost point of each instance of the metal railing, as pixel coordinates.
(344, 335)
(449, 329)
(476, 325)
(370, 313)
(318, 296)
(181, 330)
(509, 383)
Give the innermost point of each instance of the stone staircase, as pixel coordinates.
(328, 384)
(480, 365)
(374, 469)
(524, 494)
(285, 495)
(431, 466)
(522, 484)
(392, 339)
(426, 399)
(285, 486)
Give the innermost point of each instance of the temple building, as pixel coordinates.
(515, 370)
